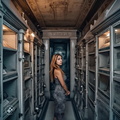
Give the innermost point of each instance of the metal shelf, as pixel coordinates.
(105, 49)
(11, 75)
(117, 45)
(92, 53)
(102, 95)
(9, 49)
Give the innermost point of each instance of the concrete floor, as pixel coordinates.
(69, 112)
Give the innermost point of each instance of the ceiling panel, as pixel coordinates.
(60, 13)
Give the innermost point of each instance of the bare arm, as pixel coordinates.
(58, 74)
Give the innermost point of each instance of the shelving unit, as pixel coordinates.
(16, 85)
(103, 86)
(42, 73)
(39, 83)
(77, 87)
(80, 96)
(10, 75)
(18, 75)
(116, 70)
(86, 76)
(99, 75)
(27, 76)
(91, 78)
(108, 65)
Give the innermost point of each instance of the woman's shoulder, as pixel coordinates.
(57, 71)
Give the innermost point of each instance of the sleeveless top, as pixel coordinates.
(59, 92)
(58, 84)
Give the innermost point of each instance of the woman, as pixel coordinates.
(57, 75)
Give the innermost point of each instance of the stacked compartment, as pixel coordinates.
(27, 76)
(80, 80)
(39, 83)
(10, 74)
(91, 78)
(103, 88)
(116, 71)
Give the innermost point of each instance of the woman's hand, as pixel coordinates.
(67, 93)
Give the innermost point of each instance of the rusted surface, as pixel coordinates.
(57, 13)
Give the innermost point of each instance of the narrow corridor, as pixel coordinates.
(85, 34)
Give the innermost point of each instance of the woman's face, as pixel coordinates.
(59, 60)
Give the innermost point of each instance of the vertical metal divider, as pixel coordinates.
(96, 77)
(86, 62)
(39, 75)
(111, 72)
(32, 67)
(20, 75)
(1, 64)
(81, 79)
(35, 75)
(87, 75)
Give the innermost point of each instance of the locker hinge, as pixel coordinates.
(20, 115)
